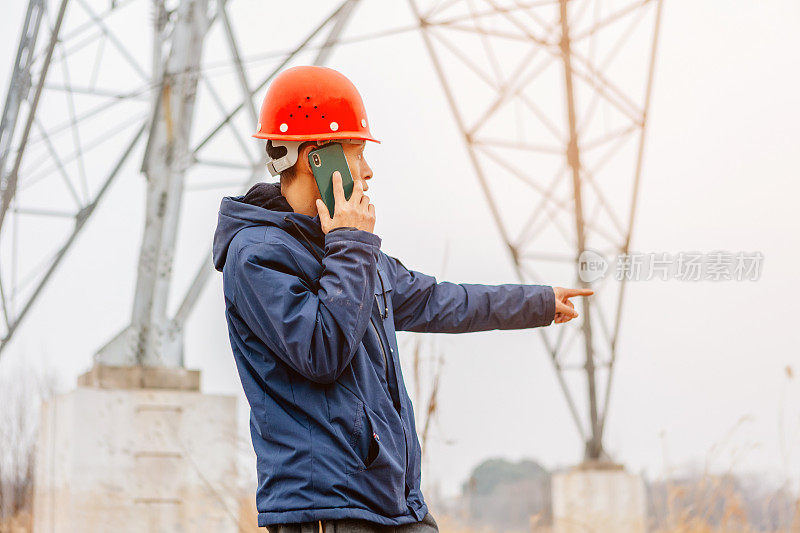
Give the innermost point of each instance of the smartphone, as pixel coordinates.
(324, 162)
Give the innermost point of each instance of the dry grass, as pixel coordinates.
(714, 504)
(19, 523)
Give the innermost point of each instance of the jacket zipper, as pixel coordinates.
(383, 350)
(402, 425)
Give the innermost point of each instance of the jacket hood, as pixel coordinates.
(262, 205)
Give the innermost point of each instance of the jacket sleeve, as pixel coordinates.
(421, 304)
(316, 332)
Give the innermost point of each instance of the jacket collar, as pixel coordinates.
(263, 205)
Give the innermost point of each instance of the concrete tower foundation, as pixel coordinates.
(137, 449)
(599, 499)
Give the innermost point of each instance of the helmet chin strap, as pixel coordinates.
(276, 166)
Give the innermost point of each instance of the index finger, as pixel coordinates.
(569, 293)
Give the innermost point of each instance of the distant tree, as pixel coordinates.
(504, 495)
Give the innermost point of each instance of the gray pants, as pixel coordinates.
(427, 525)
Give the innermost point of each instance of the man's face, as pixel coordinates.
(357, 162)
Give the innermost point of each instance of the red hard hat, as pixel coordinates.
(307, 103)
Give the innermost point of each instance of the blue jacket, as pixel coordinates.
(312, 320)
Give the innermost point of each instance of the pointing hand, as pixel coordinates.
(565, 310)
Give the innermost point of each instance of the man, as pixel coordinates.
(312, 306)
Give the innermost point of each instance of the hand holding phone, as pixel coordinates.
(355, 211)
(324, 161)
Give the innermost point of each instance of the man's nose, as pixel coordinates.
(366, 177)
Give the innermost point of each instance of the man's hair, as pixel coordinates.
(275, 152)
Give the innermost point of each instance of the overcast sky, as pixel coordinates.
(702, 365)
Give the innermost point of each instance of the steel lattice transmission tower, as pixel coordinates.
(76, 66)
(551, 98)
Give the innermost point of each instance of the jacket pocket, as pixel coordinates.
(379, 481)
(368, 441)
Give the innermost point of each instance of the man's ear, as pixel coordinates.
(302, 158)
